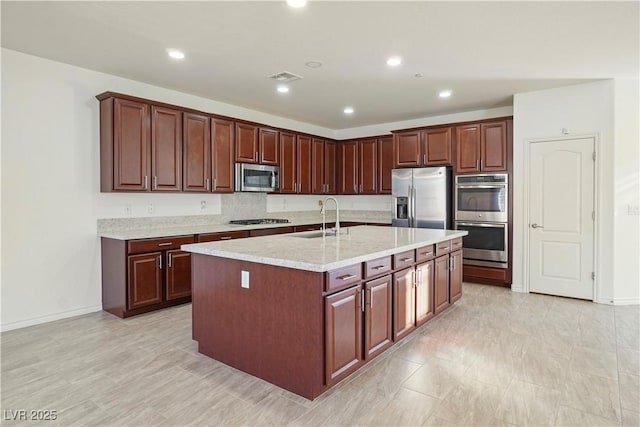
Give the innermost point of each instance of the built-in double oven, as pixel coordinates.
(481, 208)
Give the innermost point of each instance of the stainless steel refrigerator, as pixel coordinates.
(421, 197)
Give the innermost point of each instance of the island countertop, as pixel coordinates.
(313, 251)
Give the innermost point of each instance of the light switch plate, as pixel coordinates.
(244, 279)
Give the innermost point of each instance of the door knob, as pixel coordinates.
(534, 225)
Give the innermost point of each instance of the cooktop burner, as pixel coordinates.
(259, 221)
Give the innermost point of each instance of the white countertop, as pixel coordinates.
(324, 253)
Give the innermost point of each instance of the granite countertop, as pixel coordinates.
(304, 251)
(201, 229)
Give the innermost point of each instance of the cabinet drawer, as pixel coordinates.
(151, 245)
(404, 259)
(342, 277)
(377, 266)
(456, 244)
(270, 231)
(214, 237)
(443, 248)
(310, 227)
(424, 253)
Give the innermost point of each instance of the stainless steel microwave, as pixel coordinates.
(259, 178)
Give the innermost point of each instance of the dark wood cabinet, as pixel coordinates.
(425, 308)
(318, 184)
(482, 147)
(367, 166)
(348, 167)
(166, 149)
(222, 142)
(145, 280)
(268, 146)
(436, 146)
(406, 149)
(455, 273)
(385, 164)
(270, 231)
(330, 167)
(441, 283)
(343, 333)
(246, 143)
(196, 152)
(178, 275)
(304, 164)
(404, 314)
(378, 330)
(288, 163)
(228, 235)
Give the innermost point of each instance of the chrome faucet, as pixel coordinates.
(324, 212)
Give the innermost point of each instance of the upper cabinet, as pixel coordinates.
(268, 146)
(196, 151)
(482, 147)
(368, 166)
(385, 164)
(288, 163)
(246, 143)
(166, 149)
(348, 167)
(359, 166)
(222, 142)
(422, 147)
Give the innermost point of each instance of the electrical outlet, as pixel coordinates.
(320, 202)
(127, 209)
(633, 210)
(151, 209)
(203, 205)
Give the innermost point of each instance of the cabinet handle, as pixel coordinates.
(346, 277)
(206, 184)
(424, 159)
(426, 253)
(378, 267)
(165, 244)
(169, 261)
(145, 182)
(225, 238)
(361, 300)
(155, 182)
(407, 259)
(419, 278)
(371, 298)
(160, 259)
(417, 159)
(450, 264)
(215, 184)
(413, 278)
(480, 164)
(257, 158)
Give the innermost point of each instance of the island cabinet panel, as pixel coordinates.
(441, 283)
(436, 146)
(425, 308)
(145, 280)
(269, 147)
(455, 279)
(385, 164)
(166, 149)
(273, 329)
(343, 277)
(404, 313)
(246, 143)
(377, 267)
(178, 275)
(222, 141)
(378, 316)
(343, 333)
(197, 154)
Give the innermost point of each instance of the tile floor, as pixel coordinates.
(497, 358)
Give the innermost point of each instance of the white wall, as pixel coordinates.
(581, 110)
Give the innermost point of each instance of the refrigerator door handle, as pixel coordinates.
(410, 207)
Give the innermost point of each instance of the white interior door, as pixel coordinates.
(561, 225)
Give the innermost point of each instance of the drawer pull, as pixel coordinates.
(346, 277)
(379, 267)
(165, 244)
(225, 238)
(426, 253)
(407, 259)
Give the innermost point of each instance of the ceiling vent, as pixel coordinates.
(285, 77)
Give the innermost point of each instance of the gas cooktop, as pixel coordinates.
(259, 221)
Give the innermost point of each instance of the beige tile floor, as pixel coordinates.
(496, 358)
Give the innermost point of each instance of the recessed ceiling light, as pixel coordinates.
(445, 94)
(313, 64)
(297, 3)
(175, 54)
(348, 110)
(283, 88)
(394, 61)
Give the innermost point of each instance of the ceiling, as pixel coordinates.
(483, 51)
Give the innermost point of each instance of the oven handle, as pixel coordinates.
(482, 224)
(482, 186)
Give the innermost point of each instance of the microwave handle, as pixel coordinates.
(273, 179)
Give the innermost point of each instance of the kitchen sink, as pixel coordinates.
(312, 234)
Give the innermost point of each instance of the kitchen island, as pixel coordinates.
(305, 310)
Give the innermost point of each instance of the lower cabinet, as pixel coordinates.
(378, 331)
(404, 309)
(425, 309)
(145, 280)
(455, 276)
(178, 275)
(441, 283)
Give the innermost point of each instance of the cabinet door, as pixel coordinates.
(268, 146)
(166, 149)
(131, 140)
(368, 166)
(468, 148)
(455, 281)
(343, 333)
(317, 166)
(222, 137)
(404, 313)
(304, 164)
(406, 149)
(348, 167)
(493, 147)
(288, 163)
(441, 282)
(178, 274)
(436, 146)
(246, 143)
(197, 154)
(378, 331)
(330, 167)
(145, 280)
(424, 292)
(385, 164)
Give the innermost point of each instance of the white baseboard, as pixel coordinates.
(626, 301)
(48, 318)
